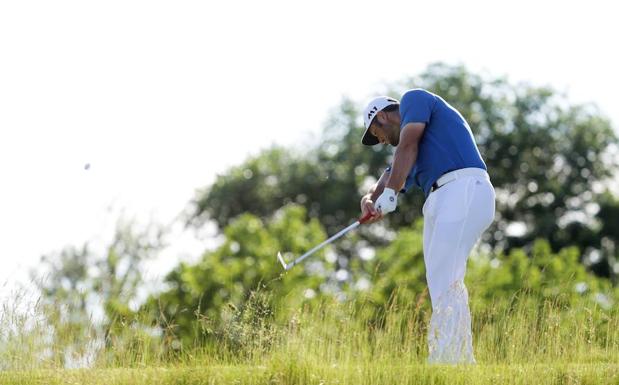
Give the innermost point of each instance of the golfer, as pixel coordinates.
(435, 151)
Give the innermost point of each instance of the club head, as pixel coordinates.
(281, 260)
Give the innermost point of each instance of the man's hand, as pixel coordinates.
(367, 206)
(387, 201)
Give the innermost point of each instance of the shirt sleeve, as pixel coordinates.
(416, 107)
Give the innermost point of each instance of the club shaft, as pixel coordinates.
(323, 244)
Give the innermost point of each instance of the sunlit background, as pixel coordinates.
(125, 108)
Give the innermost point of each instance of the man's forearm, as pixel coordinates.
(377, 188)
(403, 161)
(373, 193)
(376, 193)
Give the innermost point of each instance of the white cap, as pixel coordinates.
(374, 106)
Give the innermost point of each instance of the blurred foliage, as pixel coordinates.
(77, 285)
(558, 277)
(209, 300)
(324, 179)
(546, 158)
(245, 262)
(548, 161)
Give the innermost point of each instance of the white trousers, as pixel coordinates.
(455, 216)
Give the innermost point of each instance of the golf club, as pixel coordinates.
(288, 266)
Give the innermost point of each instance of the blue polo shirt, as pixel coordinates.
(447, 143)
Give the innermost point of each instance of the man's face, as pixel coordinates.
(385, 129)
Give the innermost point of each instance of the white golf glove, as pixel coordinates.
(387, 201)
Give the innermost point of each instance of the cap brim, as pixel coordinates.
(369, 139)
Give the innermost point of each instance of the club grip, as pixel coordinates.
(365, 218)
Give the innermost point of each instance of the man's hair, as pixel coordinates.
(389, 108)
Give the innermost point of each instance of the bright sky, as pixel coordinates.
(159, 96)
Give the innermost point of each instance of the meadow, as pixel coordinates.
(517, 340)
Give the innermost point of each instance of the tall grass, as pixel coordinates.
(517, 340)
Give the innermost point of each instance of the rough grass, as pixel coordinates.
(523, 341)
(299, 373)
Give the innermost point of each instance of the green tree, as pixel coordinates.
(198, 295)
(544, 155)
(547, 160)
(398, 267)
(558, 277)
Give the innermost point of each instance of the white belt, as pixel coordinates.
(461, 173)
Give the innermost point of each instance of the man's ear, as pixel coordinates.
(381, 117)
